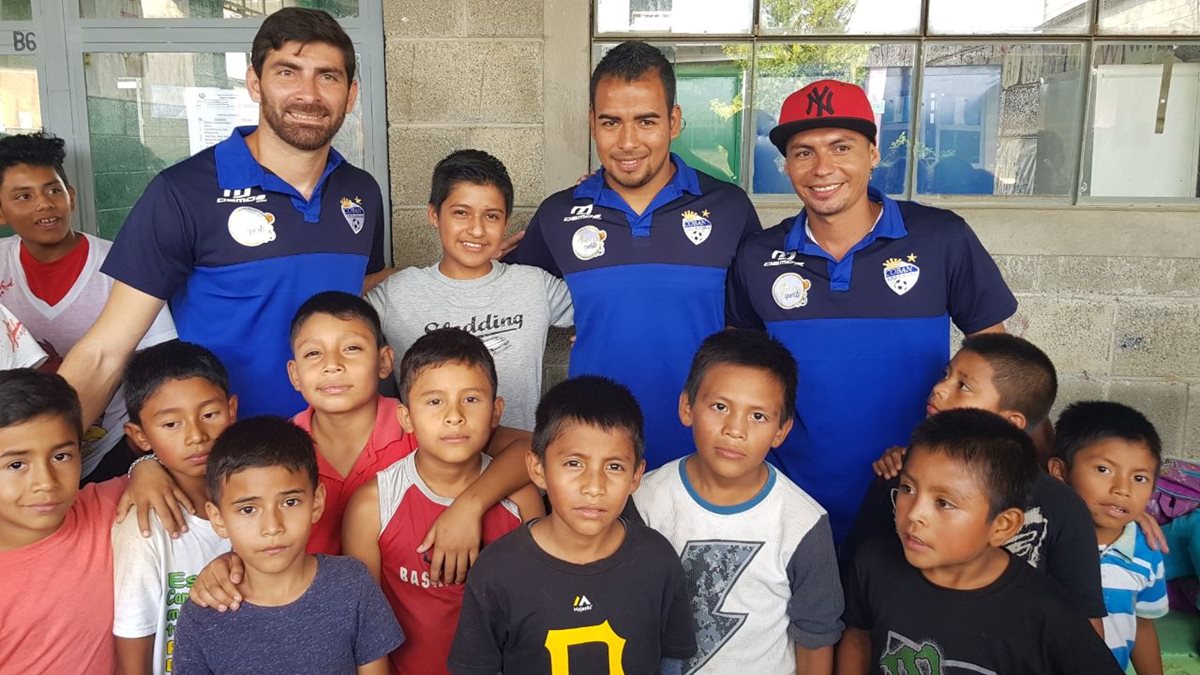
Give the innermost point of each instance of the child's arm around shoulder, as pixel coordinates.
(151, 488)
(361, 527)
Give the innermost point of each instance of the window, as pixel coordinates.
(1020, 102)
(137, 85)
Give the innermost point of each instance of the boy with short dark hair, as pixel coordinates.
(301, 613)
(1010, 377)
(1110, 455)
(510, 307)
(55, 553)
(945, 593)
(177, 395)
(50, 277)
(752, 543)
(581, 590)
(449, 405)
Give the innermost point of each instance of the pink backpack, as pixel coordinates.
(1177, 492)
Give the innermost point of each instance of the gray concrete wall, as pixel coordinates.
(1110, 291)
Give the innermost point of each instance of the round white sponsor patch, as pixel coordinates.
(250, 227)
(790, 290)
(588, 242)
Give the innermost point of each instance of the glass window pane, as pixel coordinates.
(840, 17)
(883, 70)
(1144, 127)
(999, 119)
(205, 9)
(16, 10)
(710, 85)
(1150, 17)
(148, 110)
(674, 16)
(1011, 16)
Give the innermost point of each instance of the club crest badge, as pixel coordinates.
(696, 226)
(901, 275)
(250, 227)
(588, 242)
(354, 213)
(790, 290)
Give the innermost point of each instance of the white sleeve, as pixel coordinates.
(138, 583)
(18, 349)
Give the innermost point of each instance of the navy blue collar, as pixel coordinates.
(890, 226)
(237, 168)
(597, 190)
(725, 510)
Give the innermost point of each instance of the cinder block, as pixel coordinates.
(520, 148)
(1075, 333)
(1191, 437)
(511, 90)
(421, 18)
(1157, 339)
(1184, 279)
(414, 241)
(503, 18)
(1020, 272)
(439, 81)
(1164, 403)
(1091, 275)
(399, 56)
(412, 154)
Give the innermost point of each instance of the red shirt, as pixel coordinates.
(388, 444)
(51, 281)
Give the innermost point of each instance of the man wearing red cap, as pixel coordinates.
(862, 289)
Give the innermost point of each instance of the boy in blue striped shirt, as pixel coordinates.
(1110, 455)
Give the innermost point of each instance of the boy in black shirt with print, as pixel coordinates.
(945, 596)
(582, 590)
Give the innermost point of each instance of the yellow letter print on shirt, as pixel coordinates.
(558, 642)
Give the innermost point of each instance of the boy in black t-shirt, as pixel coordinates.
(946, 597)
(582, 590)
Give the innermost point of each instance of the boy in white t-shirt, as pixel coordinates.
(509, 307)
(177, 394)
(18, 349)
(50, 277)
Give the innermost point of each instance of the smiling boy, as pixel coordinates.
(581, 590)
(509, 307)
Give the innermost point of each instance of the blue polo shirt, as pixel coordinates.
(870, 333)
(647, 288)
(235, 250)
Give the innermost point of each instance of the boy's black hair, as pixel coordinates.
(1000, 455)
(588, 400)
(630, 61)
(1022, 374)
(36, 149)
(259, 442)
(749, 348)
(299, 24)
(1088, 422)
(26, 394)
(339, 304)
(470, 166)
(165, 362)
(441, 346)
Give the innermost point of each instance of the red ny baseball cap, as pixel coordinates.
(824, 103)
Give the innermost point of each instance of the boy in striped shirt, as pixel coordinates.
(1110, 455)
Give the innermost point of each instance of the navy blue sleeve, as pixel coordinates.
(377, 260)
(533, 249)
(739, 312)
(979, 297)
(154, 251)
(189, 642)
(377, 633)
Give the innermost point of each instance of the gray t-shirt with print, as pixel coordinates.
(510, 308)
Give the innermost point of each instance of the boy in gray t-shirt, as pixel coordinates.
(509, 307)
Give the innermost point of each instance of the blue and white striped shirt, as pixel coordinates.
(1134, 587)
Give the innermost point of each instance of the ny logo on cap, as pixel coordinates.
(821, 98)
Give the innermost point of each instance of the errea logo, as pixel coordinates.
(581, 604)
(581, 213)
(240, 197)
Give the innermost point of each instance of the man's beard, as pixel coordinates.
(302, 136)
